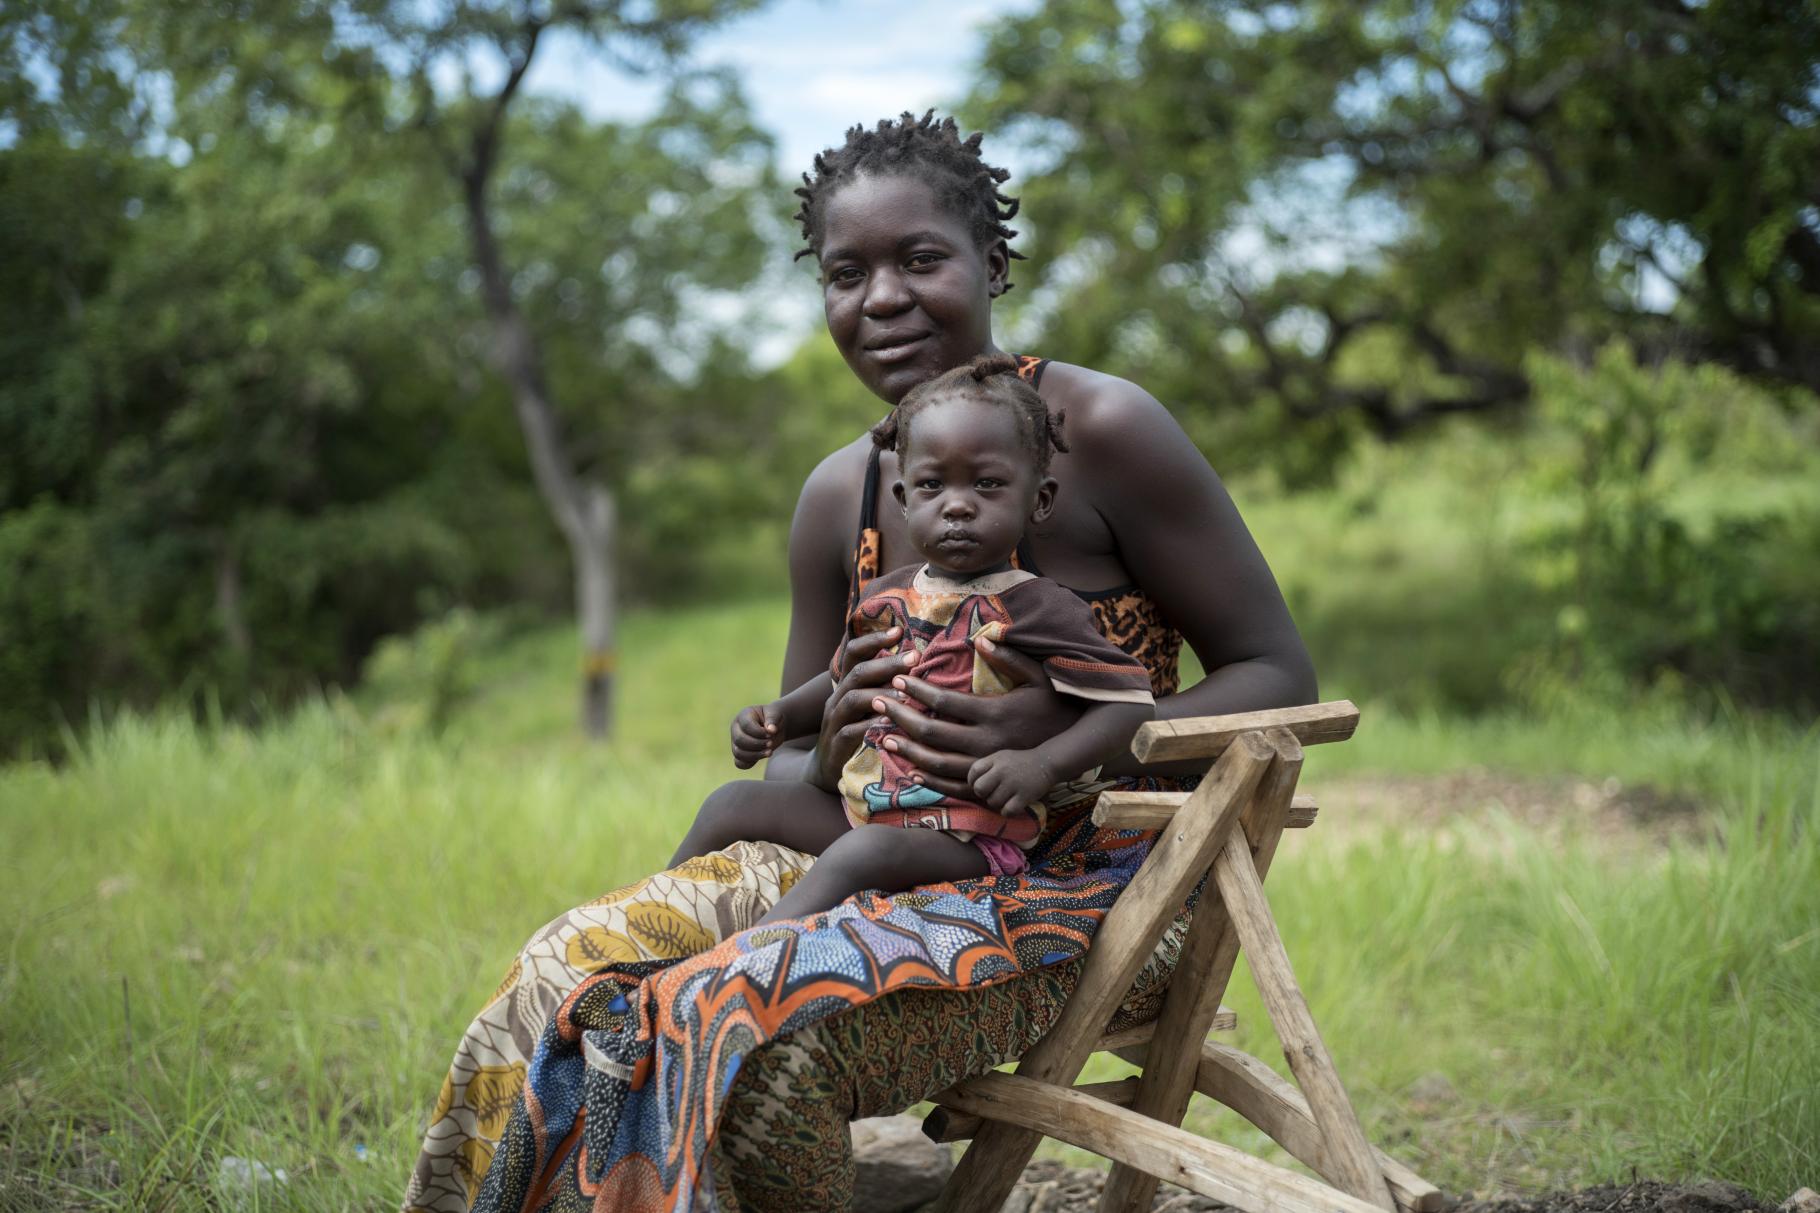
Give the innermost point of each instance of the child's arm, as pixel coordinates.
(1012, 780)
(759, 730)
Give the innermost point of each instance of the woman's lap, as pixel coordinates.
(784, 1132)
(784, 1144)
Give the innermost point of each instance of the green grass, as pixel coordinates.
(263, 944)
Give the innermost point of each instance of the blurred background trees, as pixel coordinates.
(256, 412)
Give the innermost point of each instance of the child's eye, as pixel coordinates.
(990, 482)
(929, 485)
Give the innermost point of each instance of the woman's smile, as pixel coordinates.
(906, 288)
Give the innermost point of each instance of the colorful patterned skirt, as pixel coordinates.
(627, 1029)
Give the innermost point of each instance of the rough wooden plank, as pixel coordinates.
(946, 1125)
(1205, 1167)
(1200, 981)
(1205, 736)
(1350, 1153)
(1224, 1020)
(1154, 810)
(989, 1169)
(1271, 1102)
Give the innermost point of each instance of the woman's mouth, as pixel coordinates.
(895, 347)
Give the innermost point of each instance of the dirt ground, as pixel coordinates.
(1618, 815)
(1050, 1187)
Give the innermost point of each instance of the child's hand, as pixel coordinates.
(1011, 780)
(754, 734)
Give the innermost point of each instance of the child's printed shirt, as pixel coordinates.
(941, 618)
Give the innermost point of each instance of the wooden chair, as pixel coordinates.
(1227, 830)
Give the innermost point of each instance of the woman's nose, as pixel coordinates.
(886, 294)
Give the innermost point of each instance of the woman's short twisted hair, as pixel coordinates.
(926, 149)
(990, 379)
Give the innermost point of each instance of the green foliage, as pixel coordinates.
(1300, 222)
(1693, 518)
(245, 426)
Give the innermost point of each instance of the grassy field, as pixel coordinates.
(263, 944)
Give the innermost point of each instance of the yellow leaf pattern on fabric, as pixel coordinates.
(607, 899)
(491, 1092)
(597, 947)
(666, 932)
(717, 869)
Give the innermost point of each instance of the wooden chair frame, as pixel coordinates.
(1227, 830)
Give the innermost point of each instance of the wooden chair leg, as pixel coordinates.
(1356, 1169)
(1212, 947)
(990, 1168)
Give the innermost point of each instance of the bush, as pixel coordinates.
(1684, 547)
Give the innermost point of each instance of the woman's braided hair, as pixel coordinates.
(924, 149)
(990, 379)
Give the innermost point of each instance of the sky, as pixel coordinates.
(811, 68)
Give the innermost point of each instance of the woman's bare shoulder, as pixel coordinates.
(840, 476)
(1112, 417)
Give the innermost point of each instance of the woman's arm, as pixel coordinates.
(818, 589)
(1183, 541)
(821, 535)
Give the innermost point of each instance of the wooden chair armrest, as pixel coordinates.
(1208, 736)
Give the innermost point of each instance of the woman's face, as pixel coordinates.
(906, 291)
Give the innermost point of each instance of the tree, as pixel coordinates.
(241, 430)
(1347, 216)
(468, 133)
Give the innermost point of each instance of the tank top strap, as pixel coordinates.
(865, 544)
(1030, 368)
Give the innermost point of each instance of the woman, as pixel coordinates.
(909, 230)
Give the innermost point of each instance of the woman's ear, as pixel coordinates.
(1045, 500)
(897, 491)
(998, 269)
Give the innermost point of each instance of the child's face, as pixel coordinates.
(969, 485)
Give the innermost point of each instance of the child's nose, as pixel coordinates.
(957, 505)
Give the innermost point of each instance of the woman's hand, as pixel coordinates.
(851, 706)
(966, 727)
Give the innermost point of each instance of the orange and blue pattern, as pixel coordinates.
(629, 1081)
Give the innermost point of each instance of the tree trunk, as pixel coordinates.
(583, 510)
(228, 611)
(595, 609)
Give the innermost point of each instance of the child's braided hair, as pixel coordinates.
(990, 379)
(924, 149)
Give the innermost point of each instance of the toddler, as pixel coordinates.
(973, 449)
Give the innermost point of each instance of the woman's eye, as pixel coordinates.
(924, 260)
(844, 275)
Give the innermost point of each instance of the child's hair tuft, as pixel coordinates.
(990, 379)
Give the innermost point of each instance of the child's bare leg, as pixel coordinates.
(878, 857)
(794, 815)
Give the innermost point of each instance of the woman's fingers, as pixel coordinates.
(862, 648)
(920, 726)
(930, 761)
(1021, 668)
(957, 788)
(939, 700)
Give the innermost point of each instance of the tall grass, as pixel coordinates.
(263, 944)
